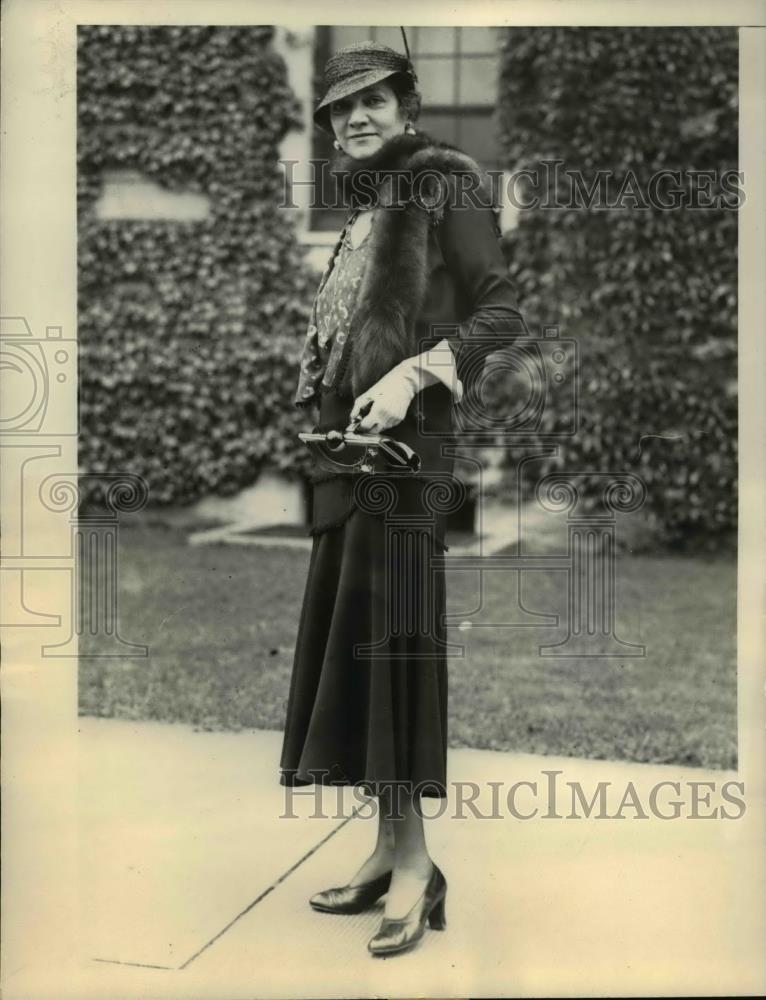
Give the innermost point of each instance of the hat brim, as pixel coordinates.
(344, 88)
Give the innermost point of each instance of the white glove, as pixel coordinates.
(389, 399)
(386, 403)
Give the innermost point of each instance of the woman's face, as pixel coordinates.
(365, 119)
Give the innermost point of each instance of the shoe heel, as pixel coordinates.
(436, 918)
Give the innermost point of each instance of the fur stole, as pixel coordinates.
(412, 179)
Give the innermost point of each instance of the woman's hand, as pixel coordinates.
(385, 404)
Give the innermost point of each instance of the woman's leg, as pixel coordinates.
(382, 858)
(412, 863)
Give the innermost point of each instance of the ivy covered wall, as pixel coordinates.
(189, 332)
(649, 294)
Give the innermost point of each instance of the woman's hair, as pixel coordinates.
(407, 94)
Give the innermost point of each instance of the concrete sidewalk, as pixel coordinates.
(194, 883)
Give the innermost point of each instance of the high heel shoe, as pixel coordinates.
(401, 934)
(351, 898)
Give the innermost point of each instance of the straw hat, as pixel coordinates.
(354, 67)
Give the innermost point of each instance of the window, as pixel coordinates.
(457, 70)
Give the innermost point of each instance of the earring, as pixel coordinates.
(336, 143)
(409, 129)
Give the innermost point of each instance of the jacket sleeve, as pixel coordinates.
(469, 240)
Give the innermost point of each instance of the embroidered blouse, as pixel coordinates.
(336, 301)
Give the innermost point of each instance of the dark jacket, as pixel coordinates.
(435, 271)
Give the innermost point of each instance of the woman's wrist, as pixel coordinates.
(434, 365)
(416, 375)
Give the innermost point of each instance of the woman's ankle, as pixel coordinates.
(418, 864)
(377, 864)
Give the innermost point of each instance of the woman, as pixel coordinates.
(414, 298)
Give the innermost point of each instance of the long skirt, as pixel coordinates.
(368, 696)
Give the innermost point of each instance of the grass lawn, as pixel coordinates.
(220, 622)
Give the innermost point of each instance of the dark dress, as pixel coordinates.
(368, 696)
